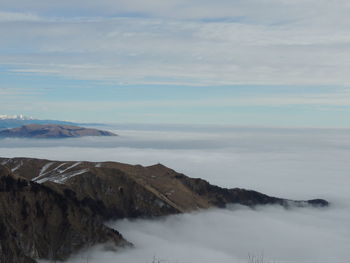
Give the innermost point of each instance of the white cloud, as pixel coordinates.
(293, 163)
(274, 42)
(246, 157)
(326, 100)
(17, 17)
(255, 10)
(11, 92)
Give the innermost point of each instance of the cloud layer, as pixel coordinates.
(180, 42)
(291, 163)
(51, 51)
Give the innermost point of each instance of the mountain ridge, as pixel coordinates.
(14, 121)
(101, 191)
(39, 131)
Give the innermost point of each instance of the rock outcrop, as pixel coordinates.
(39, 131)
(38, 222)
(55, 208)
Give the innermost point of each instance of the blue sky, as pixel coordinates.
(270, 63)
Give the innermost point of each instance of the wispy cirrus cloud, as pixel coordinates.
(177, 43)
(181, 42)
(17, 17)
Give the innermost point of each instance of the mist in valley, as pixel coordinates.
(290, 163)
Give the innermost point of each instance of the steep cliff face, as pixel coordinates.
(55, 208)
(38, 222)
(10, 251)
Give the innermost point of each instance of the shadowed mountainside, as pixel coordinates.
(65, 203)
(39, 131)
(38, 222)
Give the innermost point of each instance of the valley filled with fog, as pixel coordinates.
(290, 163)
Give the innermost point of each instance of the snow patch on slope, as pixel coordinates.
(43, 171)
(59, 173)
(16, 168)
(62, 178)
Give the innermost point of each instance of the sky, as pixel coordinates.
(291, 163)
(244, 63)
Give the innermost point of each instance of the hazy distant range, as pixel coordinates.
(15, 121)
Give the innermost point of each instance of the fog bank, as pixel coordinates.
(290, 163)
(226, 236)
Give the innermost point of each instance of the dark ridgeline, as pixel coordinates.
(51, 209)
(39, 131)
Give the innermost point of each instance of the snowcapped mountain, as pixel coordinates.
(14, 121)
(15, 117)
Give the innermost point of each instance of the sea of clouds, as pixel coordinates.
(290, 163)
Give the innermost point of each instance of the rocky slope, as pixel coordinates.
(38, 222)
(52, 131)
(69, 200)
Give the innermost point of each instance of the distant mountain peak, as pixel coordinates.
(15, 117)
(15, 121)
(52, 131)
